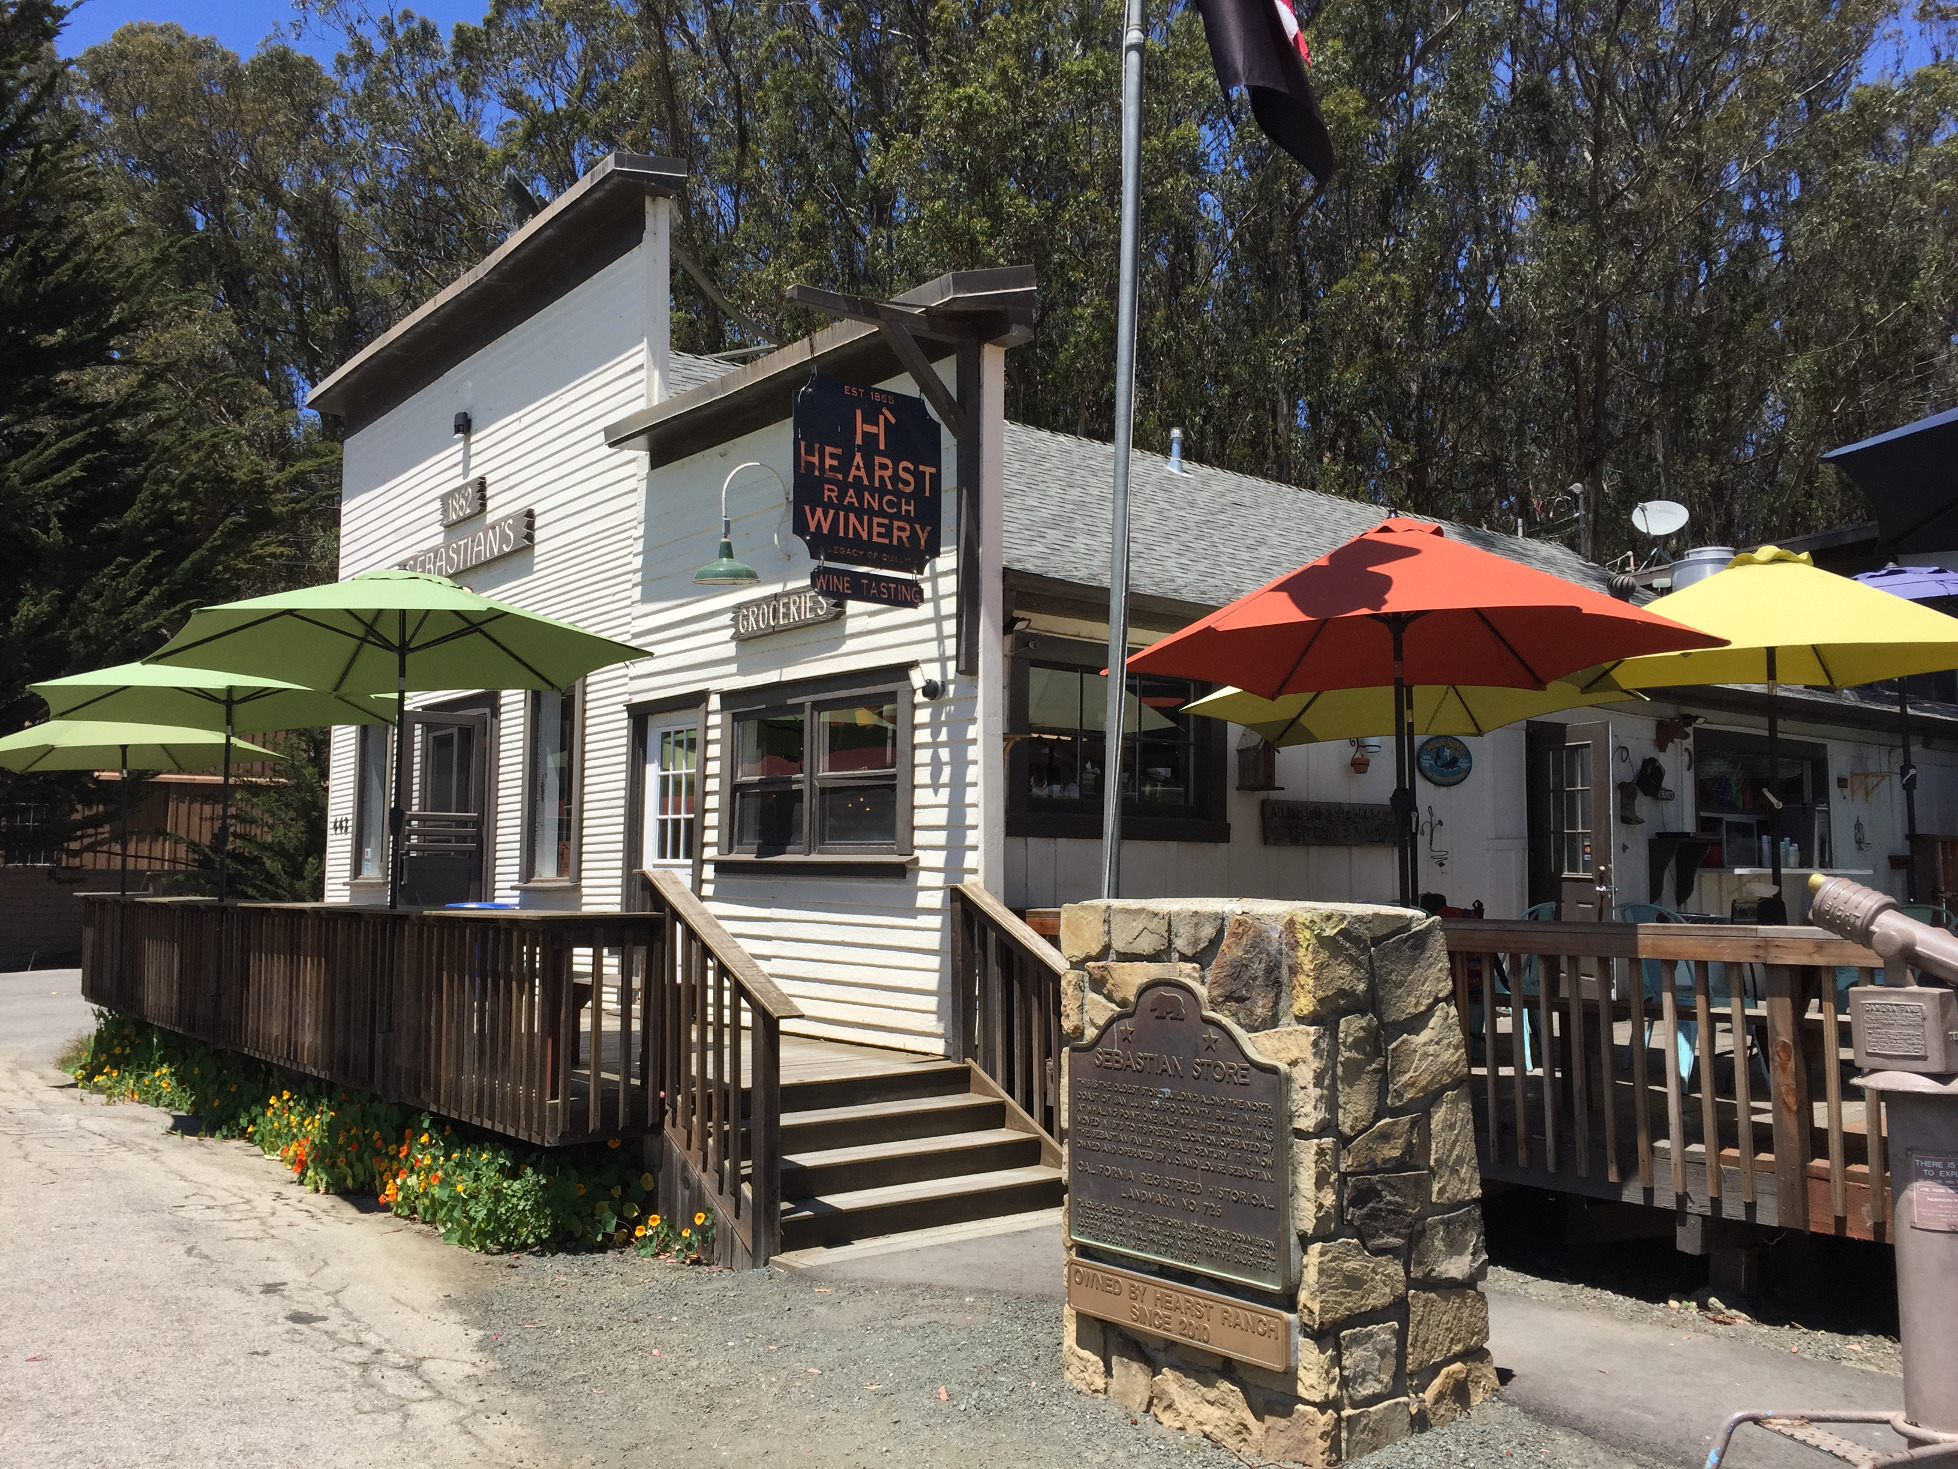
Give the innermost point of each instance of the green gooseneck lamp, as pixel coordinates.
(724, 570)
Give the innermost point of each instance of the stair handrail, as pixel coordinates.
(724, 946)
(1006, 1023)
(700, 1069)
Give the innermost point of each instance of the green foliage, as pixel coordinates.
(685, 1241)
(482, 1191)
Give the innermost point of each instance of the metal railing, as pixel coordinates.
(1692, 1066)
(1006, 1004)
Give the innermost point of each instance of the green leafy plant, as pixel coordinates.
(482, 1191)
(687, 1243)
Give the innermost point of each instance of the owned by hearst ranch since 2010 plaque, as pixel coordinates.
(1177, 1144)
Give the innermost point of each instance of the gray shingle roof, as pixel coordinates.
(690, 371)
(1207, 539)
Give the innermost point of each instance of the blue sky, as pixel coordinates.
(239, 24)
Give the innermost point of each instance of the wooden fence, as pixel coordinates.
(1696, 1067)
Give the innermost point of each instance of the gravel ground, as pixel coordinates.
(650, 1362)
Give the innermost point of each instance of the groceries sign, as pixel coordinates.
(867, 470)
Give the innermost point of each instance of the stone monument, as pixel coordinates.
(1275, 1226)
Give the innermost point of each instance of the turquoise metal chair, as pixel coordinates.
(1530, 983)
(1686, 1041)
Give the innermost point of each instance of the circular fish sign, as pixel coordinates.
(1445, 760)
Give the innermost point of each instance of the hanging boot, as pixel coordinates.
(1628, 804)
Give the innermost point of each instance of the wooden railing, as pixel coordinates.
(719, 1022)
(552, 1027)
(525, 1023)
(1006, 1004)
(1700, 1067)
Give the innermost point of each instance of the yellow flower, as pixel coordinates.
(652, 1221)
(640, 1232)
(612, 1142)
(581, 1190)
(424, 1137)
(700, 1219)
(686, 1234)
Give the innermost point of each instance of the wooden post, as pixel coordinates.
(958, 1013)
(1787, 998)
(765, 1141)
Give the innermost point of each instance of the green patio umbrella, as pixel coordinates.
(391, 632)
(91, 744)
(202, 698)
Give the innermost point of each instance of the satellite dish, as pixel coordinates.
(1659, 518)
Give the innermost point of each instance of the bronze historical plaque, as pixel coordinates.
(1200, 1318)
(1177, 1144)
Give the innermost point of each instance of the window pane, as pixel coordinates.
(863, 737)
(550, 784)
(371, 802)
(1054, 767)
(770, 745)
(670, 786)
(1054, 698)
(769, 820)
(859, 815)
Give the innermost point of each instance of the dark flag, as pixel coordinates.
(1256, 45)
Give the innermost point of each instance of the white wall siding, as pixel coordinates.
(539, 397)
(865, 957)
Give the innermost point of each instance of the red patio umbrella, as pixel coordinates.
(1404, 604)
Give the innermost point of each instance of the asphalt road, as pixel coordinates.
(174, 1301)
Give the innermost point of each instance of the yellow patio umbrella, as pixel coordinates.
(1787, 621)
(1437, 709)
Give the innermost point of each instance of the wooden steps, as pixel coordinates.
(908, 1149)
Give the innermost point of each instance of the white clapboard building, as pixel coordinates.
(822, 778)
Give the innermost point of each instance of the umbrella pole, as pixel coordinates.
(1403, 800)
(224, 809)
(1908, 776)
(1774, 780)
(398, 812)
(122, 885)
(397, 825)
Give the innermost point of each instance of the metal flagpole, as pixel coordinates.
(1134, 38)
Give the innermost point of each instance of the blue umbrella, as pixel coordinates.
(1915, 584)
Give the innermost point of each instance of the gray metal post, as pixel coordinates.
(1134, 38)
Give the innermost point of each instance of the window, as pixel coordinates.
(1570, 796)
(1731, 784)
(552, 780)
(24, 835)
(820, 772)
(1174, 766)
(672, 773)
(371, 802)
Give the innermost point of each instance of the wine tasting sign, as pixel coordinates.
(867, 468)
(1177, 1144)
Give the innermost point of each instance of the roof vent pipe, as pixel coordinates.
(1176, 453)
(1698, 564)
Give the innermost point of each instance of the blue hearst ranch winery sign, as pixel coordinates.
(867, 469)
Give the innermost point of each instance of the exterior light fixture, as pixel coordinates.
(724, 570)
(463, 425)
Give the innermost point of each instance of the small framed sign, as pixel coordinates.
(465, 502)
(841, 584)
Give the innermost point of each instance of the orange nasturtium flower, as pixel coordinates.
(686, 1234)
(700, 1219)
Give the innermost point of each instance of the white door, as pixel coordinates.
(672, 789)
